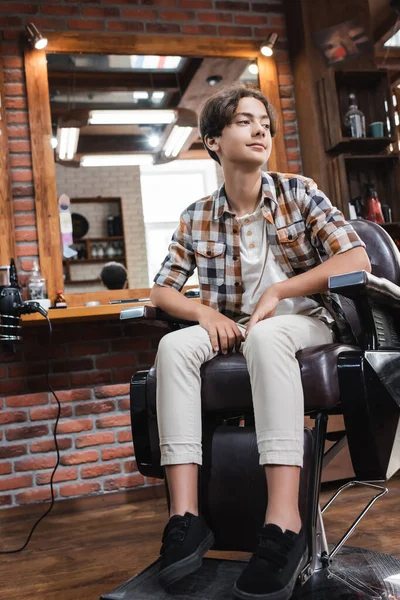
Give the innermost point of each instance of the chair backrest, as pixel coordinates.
(384, 257)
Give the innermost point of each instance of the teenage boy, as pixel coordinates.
(256, 243)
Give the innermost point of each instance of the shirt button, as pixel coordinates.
(237, 283)
(249, 232)
(247, 221)
(251, 245)
(234, 230)
(208, 252)
(235, 258)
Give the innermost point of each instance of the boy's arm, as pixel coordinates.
(177, 267)
(340, 241)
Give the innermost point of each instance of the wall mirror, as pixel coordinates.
(128, 154)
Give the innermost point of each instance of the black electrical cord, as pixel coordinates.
(56, 445)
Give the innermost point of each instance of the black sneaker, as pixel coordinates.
(185, 541)
(273, 569)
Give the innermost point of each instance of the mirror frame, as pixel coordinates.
(43, 164)
(7, 228)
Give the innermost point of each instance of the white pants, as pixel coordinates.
(270, 352)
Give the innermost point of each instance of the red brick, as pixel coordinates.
(5, 468)
(237, 31)
(125, 345)
(22, 220)
(100, 470)
(33, 464)
(59, 10)
(5, 499)
(14, 89)
(277, 20)
(72, 395)
(111, 391)
(154, 480)
(57, 24)
(12, 386)
(195, 4)
(26, 265)
(78, 458)
(199, 30)
(34, 496)
(291, 142)
(87, 24)
(113, 421)
(49, 445)
(88, 349)
(92, 378)
(94, 407)
(16, 482)
(20, 433)
(287, 103)
(140, 14)
(289, 129)
(82, 364)
(41, 414)
(289, 115)
(177, 15)
(215, 18)
(105, 13)
(27, 400)
(73, 426)
(146, 359)
(19, 8)
(130, 466)
(27, 250)
(12, 416)
(250, 19)
(23, 205)
(160, 3)
(6, 22)
(232, 5)
(124, 404)
(21, 191)
(266, 7)
(122, 375)
(79, 489)
(18, 131)
(12, 451)
(61, 474)
(126, 481)
(94, 439)
(17, 117)
(293, 155)
(162, 28)
(26, 235)
(124, 436)
(113, 453)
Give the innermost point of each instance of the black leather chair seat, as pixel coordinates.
(226, 382)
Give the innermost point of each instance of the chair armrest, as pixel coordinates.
(377, 302)
(152, 313)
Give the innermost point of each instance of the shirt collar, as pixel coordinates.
(268, 192)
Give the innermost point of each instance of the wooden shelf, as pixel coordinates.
(82, 261)
(373, 157)
(115, 238)
(360, 145)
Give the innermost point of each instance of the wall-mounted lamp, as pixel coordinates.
(35, 37)
(268, 48)
(253, 68)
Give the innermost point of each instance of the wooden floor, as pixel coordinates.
(78, 556)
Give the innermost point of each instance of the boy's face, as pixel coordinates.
(247, 139)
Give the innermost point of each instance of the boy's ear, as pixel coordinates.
(212, 143)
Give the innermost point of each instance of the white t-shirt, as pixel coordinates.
(260, 269)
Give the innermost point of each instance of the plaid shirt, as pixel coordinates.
(301, 226)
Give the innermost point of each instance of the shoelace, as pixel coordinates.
(274, 546)
(174, 533)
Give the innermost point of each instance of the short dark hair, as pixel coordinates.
(113, 275)
(218, 110)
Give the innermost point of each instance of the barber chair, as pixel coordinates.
(360, 381)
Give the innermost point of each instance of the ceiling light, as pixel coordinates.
(154, 140)
(157, 97)
(267, 49)
(68, 142)
(131, 117)
(140, 95)
(176, 140)
(213, 80)
(35, 37)
(116, 160)
(253, 68)
(152, 61)
(54, 142)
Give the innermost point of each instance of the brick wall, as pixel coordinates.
(92, 363)
(90, 367)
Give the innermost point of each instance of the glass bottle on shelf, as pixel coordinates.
(94, 251)
(373, 205)
(354, 119)
(36, 283)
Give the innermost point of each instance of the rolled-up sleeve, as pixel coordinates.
(326, 223)
(179, 263)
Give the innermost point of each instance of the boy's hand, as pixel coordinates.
(224, 333)
(266, 307)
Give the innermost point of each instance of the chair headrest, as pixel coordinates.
(381, 249)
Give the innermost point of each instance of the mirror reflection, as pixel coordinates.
(129, 157)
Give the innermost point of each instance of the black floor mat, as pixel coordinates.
(351, 571)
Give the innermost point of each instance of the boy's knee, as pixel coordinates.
(267, 335)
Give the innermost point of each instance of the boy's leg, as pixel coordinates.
(270, 351)
(186, 536)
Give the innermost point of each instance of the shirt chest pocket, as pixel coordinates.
(210, 260)
(296, 244)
